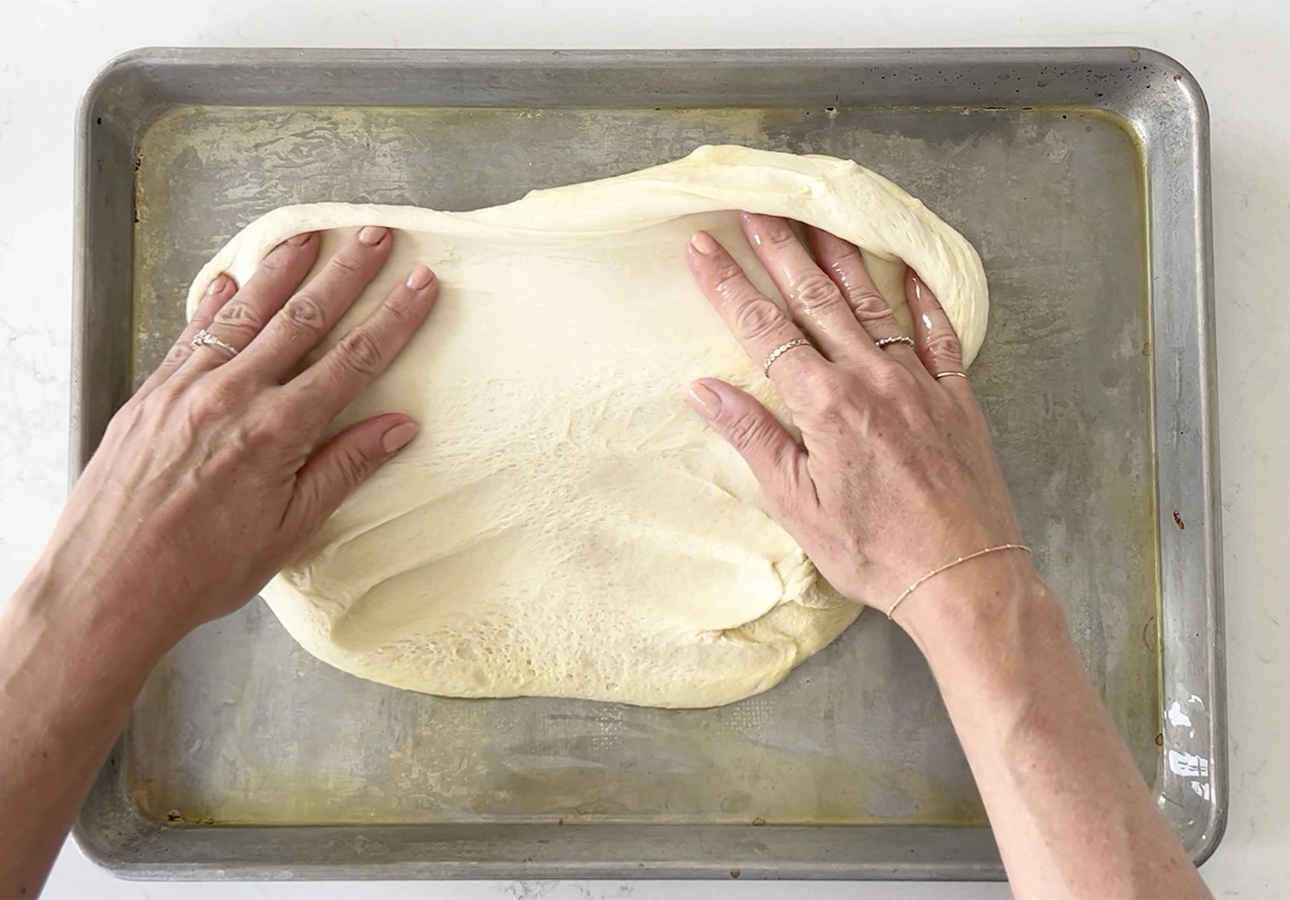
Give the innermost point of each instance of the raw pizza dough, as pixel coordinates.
(565, 525)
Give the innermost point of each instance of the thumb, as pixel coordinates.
(770, 451)
(346, 461)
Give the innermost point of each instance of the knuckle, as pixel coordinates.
(848, 268)
(944, 347)
(354, 466)
(241, 316)
(396, 307)
(870, 306)
(275, 258)
(727, 278)
(830, 402)
(176, 355)
(257, 431)
(830, 399)
(163, 399)
(361, 352)
(893, 381)
(758, 317)
(747, 430)
(306, 313)
(346, 263)
(779, 232)
(217, 398)
(815, 292)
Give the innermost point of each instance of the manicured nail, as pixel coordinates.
(372, 235)
(419, 278)
(703, 243)
(300, 239)
(218, 286)
(399, 437)
(705, 400)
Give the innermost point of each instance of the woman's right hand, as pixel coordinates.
(216, 471)
(895, 473)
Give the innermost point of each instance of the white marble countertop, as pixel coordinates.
(49, 52)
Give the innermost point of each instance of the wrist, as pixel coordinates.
(994, 598)
(67, 610)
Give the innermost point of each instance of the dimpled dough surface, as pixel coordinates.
(565, 525)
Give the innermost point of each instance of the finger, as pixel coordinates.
(344, 462)
(218, 292)
(814, 299)
(934, 337)
(359, 357)
(312, 311)
(240, 320)
(756, 322)
(777, 461)
(845, 266)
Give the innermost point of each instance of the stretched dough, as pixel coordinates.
(565, 525)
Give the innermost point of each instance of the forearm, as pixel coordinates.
(70, 667)
(1070, 812)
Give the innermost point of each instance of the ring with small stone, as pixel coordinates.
(204, 338)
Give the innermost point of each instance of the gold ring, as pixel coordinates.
(204, 338)
(893, 339)
(780, 351)
(940, 375)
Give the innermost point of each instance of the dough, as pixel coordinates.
(565, 525)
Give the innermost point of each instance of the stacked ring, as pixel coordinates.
(780, 351)
(893, 339)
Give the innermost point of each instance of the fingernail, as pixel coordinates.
(372, 235)
(218, 286)
(300, 239)
(419, 278)
(703, 243)
(705, 400)
(399, 437)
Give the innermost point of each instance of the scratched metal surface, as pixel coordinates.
(241, 726)
(1085, 192)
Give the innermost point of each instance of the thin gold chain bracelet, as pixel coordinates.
(962, 559)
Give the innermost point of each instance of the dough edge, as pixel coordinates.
(839, 196)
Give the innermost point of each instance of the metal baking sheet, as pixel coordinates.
(1081, 175)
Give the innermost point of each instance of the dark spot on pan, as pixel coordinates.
(1146, 628)
(1178, 521)
(734, 873)
(758, 822)
(1160, 739)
